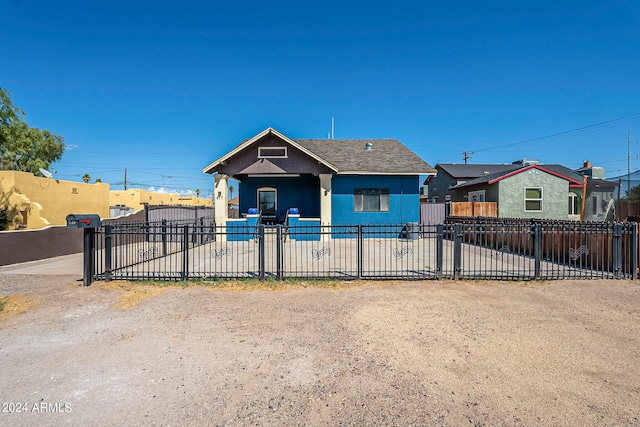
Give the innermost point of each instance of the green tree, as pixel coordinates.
(86, 178)
(25, 148)
(197, 192)
(98, 180)
(231, 189)
(634, 193)
(8, 212)
(4, 218)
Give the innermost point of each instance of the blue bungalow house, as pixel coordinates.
(373, 181)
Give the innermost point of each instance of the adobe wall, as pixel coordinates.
(37, 203)
(136, 197)
(40, 202)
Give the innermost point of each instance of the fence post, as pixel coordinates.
(617, 250)
(457, 251)
(359, 254)
(164, 237)
(108, 244)
(439, 250)
(633, 242)
(537, 249)
(89, 258)
(261, 255)
(279, 252)
(185, 252)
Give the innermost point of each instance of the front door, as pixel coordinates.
(267, 202)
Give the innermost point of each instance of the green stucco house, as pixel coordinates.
(541, 192)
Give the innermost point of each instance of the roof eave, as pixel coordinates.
(209, 168)
(405, 173)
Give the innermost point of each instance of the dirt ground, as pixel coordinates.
(395, 353)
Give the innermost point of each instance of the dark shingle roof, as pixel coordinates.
(385, 156)
(470, 171)
(351, 155)
(485, 178)
(558, 170)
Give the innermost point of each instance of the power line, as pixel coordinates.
(466, 155)
(574, 132)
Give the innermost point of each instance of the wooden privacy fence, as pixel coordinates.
(597, 245)
(626, 209)
(466, 209)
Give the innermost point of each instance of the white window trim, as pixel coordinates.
(383, 192)
(261, 156)
(480, 196)
(541, 199)
(573, 197)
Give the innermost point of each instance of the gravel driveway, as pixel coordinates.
(394, 353)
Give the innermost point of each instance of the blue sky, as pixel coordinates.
(164, 88)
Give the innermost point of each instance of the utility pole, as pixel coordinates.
(628, 162)
(466, 155)
(125, 178)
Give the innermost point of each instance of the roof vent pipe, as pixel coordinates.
(368, 146)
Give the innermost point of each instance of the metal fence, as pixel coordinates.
(501, 250)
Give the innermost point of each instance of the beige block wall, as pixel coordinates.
(135, 198)
(40, 202)
(45, 201)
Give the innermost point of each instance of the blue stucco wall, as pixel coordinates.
(404, 199)
(302, 192)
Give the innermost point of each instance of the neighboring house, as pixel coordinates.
(541, 191)
(450, 175)
(34, 202)
(234, 208)
(373, 181)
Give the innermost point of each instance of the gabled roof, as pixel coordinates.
(556, 170)
(471, 171)
(384, 156)
(347, 156)
(210, 168)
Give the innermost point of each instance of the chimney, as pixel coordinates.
(587, 164)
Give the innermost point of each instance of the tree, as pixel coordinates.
(231, 189)
(634, 193)
(86, 178)
(8, 212)
(197, 192)
(25, 148)
(97, 180)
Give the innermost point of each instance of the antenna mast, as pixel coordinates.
(332, 128)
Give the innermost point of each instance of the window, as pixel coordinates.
(371, 199)
(476, 196)
(23, 219)
(574, 204)
(267, 202)
(272, 152)
(533, 199)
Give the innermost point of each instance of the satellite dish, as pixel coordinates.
(46, 173)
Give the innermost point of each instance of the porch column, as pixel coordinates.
(220, 196)
(325, 198)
